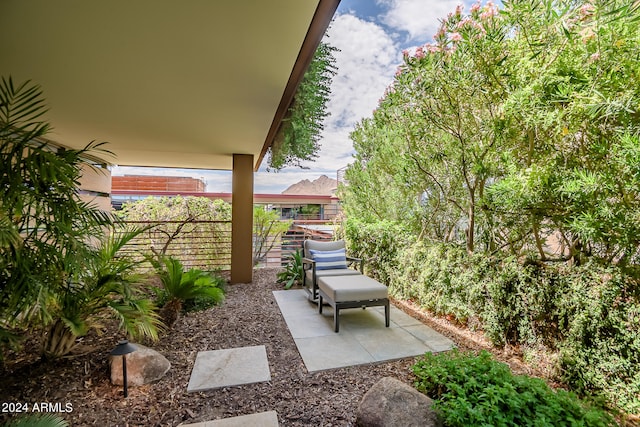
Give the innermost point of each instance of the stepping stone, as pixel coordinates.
(224, 368)
(262, 419)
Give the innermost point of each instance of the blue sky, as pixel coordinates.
(371, 35)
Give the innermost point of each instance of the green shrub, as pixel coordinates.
(379, 244)
(205, 302)
(479, 391)
(436, 276)
(588, 314)
(293, 272)
(183, 290)
(601, 351)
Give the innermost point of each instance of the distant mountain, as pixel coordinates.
(323, 186)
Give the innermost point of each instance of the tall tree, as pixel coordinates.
(514, 125)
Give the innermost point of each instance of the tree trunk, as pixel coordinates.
(170, 312)
(472, 223)
(536, 235)
(59, 341)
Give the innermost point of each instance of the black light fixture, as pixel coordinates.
(122, 349)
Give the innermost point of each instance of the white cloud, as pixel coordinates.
(366, 63)
(419, 18)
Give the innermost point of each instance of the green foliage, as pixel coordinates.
(590, 314)
(602, 347)
(479, 391)
(298, 138)
(509, 128)
(378, 244)
(267, 231)
(181, 219)
(509, 151)
(190, 284)
(37, 420)
(293, 272)
(45, 228)
(191, 290)
(105, 286)
(176, 208)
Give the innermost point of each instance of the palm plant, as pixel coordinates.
(179, 286)
(44, 226)
(38, 420)
(293, 272)
(105, 287)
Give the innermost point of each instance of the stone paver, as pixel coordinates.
(362, 339)
(223, 368)
(262, 419)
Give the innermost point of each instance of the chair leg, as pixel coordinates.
(386, 314)
(320, 304)
(336, 319)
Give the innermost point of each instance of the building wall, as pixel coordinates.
(157, 183)
(95, 186)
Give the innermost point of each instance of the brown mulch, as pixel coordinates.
(249, 316)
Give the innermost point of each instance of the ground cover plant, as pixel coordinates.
(497, 184)
(475, 390)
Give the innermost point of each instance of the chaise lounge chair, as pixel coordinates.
(323, 259)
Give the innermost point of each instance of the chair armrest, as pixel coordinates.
(359, 261)
(308, 263)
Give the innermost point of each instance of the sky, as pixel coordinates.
(370, 36)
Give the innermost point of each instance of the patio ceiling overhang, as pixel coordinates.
(166, 83)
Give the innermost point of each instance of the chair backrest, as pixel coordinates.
(318, 245)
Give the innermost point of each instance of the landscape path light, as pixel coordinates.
(122, 349)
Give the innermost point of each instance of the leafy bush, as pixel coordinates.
(601, 351)
(105, 286)
(589, 314)
(293, 272)
(479, 391)
(201, 303)
(185, 289)
(379, 244)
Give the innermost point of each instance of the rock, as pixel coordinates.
(391, 403)
(144, 365)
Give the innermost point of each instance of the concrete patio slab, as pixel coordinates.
(362, 339)
(262, 419)
(223, 368)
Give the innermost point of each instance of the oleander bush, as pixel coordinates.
(497, 183)
(587, 315)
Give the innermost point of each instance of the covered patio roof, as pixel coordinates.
(174, 84)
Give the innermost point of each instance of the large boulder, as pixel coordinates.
(391, 403)
(144, 365)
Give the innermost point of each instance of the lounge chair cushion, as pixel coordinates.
(326, 273)
(329, 260)
(318, 245)
(352, 288)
